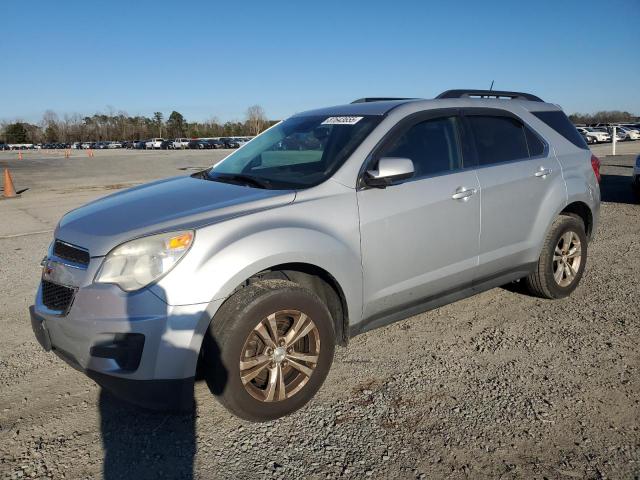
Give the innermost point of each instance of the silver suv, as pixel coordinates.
(329, 224)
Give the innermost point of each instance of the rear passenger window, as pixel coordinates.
(498, 139)
(561, 124)
(432, 145)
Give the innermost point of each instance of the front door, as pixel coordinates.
(420, 236)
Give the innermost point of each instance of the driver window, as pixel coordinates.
(433, 146)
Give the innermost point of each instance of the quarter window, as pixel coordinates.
(560, 123)
(432, 145)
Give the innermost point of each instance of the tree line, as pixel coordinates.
(120, 126)
(605, 116)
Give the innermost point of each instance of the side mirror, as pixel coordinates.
(390, 169)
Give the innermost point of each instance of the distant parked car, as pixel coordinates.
(114, 145)
(630, 133)
(139, 144)
(155, 143)
(127, 144)
(166, 145)
(594, 136)
(181, 143)
(590, 140)
(601, 130)
(242, 140)
(199, 144)
(621, 135)
(215, 144)
(229, 142)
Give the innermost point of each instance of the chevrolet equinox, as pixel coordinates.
(329, 224)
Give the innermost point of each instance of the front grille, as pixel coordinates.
(69, 252)
(56, 297)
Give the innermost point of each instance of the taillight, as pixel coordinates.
(595, 164)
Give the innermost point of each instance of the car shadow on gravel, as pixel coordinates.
(617, 189)
(141, 444)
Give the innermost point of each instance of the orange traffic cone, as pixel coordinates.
(9, 189)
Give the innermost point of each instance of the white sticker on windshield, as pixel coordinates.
(341, 121)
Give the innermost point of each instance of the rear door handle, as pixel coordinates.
(463, 193)
(543, 172)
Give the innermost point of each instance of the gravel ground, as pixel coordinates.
(498, 385)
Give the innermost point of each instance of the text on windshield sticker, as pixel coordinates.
(341, 121)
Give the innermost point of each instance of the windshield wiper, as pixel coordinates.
(240, 178)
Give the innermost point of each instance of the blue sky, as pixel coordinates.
(214, 59)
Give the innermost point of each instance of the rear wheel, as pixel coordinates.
(268, 349)
(562, 260)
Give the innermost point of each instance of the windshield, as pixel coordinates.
(298, 153)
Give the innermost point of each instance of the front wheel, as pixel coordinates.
(268, 349)
(562, 260)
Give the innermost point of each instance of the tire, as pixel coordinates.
(543, 282)
(232, 336)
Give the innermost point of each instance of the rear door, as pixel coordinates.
(518, 173)
(420, 236)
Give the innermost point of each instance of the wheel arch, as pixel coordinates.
(583, 212)
(315, 278)
(319, 281)
(576, 208)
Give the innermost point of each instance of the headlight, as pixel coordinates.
(137, 263)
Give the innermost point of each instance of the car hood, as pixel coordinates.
(171, 204)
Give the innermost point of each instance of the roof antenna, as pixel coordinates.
(491, 87)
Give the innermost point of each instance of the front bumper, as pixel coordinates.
(132, 344)
(163, 395)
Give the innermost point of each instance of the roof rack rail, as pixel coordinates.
(379, 99)
(463, 93)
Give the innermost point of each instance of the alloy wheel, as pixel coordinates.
(279, 356)
(567, 257)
